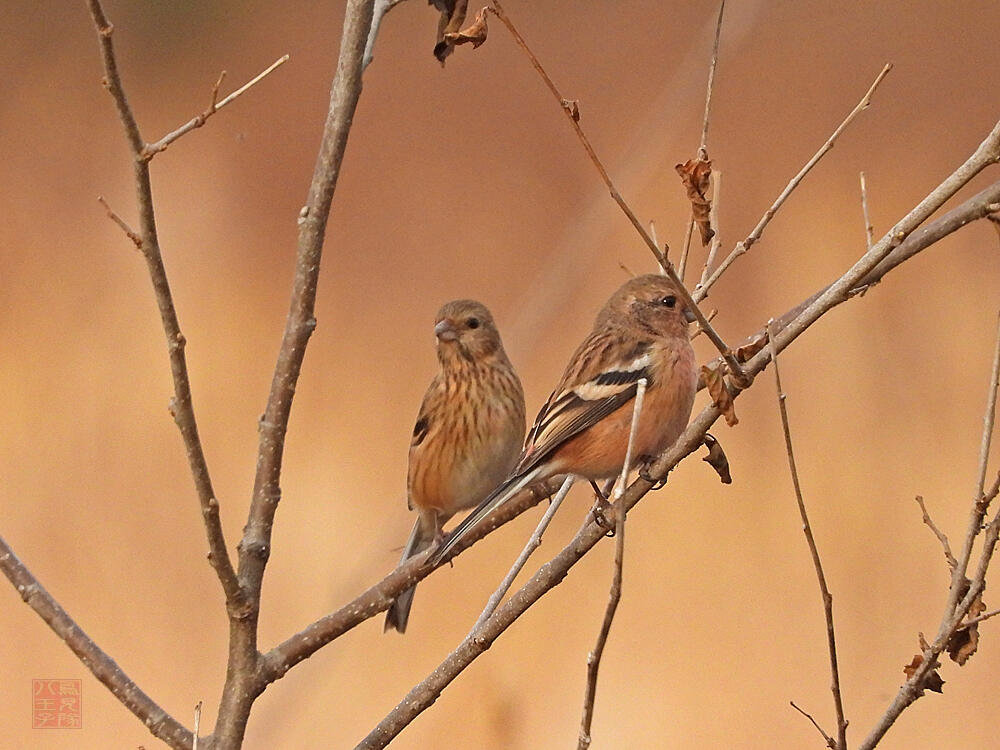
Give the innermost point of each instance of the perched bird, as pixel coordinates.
(468, 432)
(583, 428)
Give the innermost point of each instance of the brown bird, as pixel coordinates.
(468, 432)
(583, 428)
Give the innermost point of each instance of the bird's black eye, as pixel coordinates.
(472, 322)
(670, 300)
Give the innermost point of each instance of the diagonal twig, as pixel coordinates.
(615, 594)
(938, 533)
(152, 149)
(573, 116)
(830, 742)
(129, 232)
(831, 638)
(533, 543)
(744, 245)
(161, 724)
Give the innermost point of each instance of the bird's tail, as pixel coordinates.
(398, 613)
(507, 489)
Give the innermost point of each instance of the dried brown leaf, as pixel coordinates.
(474, 34)
(452, 17)
(964, 642)
(932, 681)
(716, 458)
(745, 352)
(695, 175)
(713, 376)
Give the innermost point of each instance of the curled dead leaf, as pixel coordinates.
(932, 681)
(713, 376)
(716, 458)
(452, 17)
(695, 175)
(965, 641)
(474, 34)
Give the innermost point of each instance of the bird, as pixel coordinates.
(583, 428)
(468, 432)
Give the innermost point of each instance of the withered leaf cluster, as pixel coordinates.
(450, 32)
(713, 375)
(696, 175)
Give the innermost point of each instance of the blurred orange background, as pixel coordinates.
(466, 181)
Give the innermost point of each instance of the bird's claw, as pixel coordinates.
(658, 484)
(602, 512)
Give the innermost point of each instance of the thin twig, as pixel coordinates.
(831, 637)
(869, 229)
(713, 222)
(988, 418)
(533, 542)
(381, 8)
(615, 594)
(979, 619)
(755, 235)
(129, 232)
(938, 533)
(711, 316)
(830, 742)
(685, 250)
(161, 724)
(181, 405)
(197, 718)
(735, 368)
(703, 149)
(151, 150)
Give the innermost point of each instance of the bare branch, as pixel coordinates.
(161, 724)
(713, 218)
(148, 152)
(533, 542)
(830, 742)
(755, 235)
(979, 619)
(129, 232)
(243, 682)
(181, 405)
(615, 594)
(938, 533)
(831, 638)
